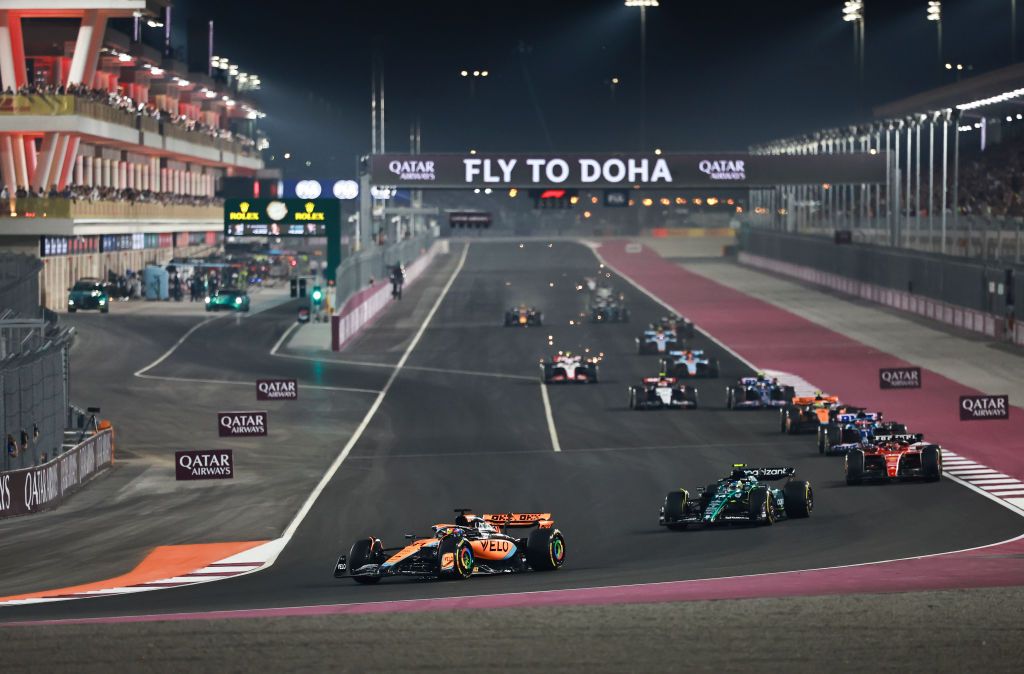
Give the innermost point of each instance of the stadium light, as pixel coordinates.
(934, 10)
(853, 10)
(641, 3)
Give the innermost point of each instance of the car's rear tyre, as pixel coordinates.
(675, 508)
(830, 435)
(799, 499)
(762, 506)
(105, 309)
(730, 398)
(592, 374)
(690, 395)
(783, 416)
(462, 558)
(364, 551)
(634, 397)
(545, 549)
(854, 466)
(72, 310)
(931, 463)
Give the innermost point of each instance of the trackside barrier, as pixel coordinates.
(950, 314)
(364, 306)
(43, 487)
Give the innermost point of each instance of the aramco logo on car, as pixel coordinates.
(241, 424)
(277, 389)
(204, 464)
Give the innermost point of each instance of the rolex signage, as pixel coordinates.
(279, 217)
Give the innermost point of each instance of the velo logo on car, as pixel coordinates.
(241, 424)
(277, 389)
(899, 377)
(204, 464)
(984, 407)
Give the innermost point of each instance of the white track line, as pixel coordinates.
(139, 373)
(284, 336)
(228, 382)
(550, 417)
(333, 469)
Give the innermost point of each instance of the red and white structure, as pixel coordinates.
(148, 124)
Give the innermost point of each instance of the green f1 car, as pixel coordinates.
(742, 496)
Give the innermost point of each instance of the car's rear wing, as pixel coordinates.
(656, 380)
(898, 437)
(542, 520)
(850, 417)
(808, 400)
(770, 473)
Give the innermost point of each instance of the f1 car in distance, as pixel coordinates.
(523, 315)
(472, 545)
(689, 363)
(894, 457)
(805, 414)
(660, 393)
(742, 496)
(853, 429)
(677, 324)
(757, 393)
(565, 366)
(655, 340)
(609, 311)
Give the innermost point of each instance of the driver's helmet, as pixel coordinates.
(760, 376)
(442, 532)
(688, 355)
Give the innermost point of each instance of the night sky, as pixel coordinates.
(721, 75)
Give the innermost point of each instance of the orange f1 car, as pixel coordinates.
(473, 545)
(805, 414)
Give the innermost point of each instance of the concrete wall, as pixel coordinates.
(959, 282)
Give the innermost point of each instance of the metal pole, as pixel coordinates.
(643, 77)
(888, 179)
(383, 147)
(1013, 31)
(945, 182)
(917, 187)
(897, 211)
(910, 166)
(931, 180)
(373, 107)
(956, 179)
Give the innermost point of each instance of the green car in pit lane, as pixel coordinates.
(228, 300)
(88, 293)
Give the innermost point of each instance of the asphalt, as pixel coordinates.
(443, 439)
(950, 631)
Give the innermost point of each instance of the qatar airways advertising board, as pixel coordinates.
(648, 171)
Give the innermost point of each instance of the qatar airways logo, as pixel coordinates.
(241, 424)
(277, 389)
(899, 377)
(204, 465)
(723, 169)
(984, 407)
(422, 170)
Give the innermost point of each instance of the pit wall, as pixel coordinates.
(363, 306)
(963, 294)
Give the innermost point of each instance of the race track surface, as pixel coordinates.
(443, 439)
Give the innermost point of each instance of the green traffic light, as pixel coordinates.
(317, 294)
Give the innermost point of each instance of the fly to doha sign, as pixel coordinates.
(651, 171)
